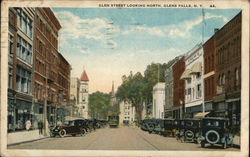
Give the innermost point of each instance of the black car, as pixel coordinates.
(215, 131)
(171, 127)
(73, 128)
(158, 126)
(190, 129)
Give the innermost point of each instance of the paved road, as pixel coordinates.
(122, 138)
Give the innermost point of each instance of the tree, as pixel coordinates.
(99, 105)
(132, 90)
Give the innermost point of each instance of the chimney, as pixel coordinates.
(216, 30)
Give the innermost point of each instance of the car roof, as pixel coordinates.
(216, 118)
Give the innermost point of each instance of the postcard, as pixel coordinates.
(124, 78)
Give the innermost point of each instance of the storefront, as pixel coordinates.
(19, 111)
(191, 111)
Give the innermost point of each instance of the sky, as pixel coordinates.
(110, 42)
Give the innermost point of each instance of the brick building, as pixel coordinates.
(228, 70)
(179, 89)
(209, 73)
(52, 71)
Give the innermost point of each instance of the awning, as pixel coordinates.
(196, 68)
(201, 114)
(186, 74)
(232, 100)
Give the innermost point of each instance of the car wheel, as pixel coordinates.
(203, 144)
(189, 134)
(212, 136)
(83, 132)
(62, 133)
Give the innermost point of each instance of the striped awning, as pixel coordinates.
(196, 68)
(186, 74)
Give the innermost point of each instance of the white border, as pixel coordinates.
(243, 4)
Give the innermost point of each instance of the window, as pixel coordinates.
(23, 80)
(198, 91)
(223, 79)
(10, 44)
(24, 50)
(10, 78)
(25, 23)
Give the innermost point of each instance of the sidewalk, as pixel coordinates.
(23, 136)
(236, 141)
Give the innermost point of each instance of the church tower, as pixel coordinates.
(113, 99)
(84, 95)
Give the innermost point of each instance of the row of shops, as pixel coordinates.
(21, 109)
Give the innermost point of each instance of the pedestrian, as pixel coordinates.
(28, 125)
(40, 127)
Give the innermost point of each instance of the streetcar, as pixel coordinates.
(113, 121)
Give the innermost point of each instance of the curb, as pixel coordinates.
(13, 144)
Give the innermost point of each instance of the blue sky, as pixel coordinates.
(111, 42)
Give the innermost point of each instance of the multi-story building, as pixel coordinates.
(178, 89)
(193, 76)
(20, 48)
(169, 88)
(74, 95)
(158, 100)
(84, 95)
(52, 71)
(209, 73)
(228, 70)
(127, 113)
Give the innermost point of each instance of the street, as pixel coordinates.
(122, 138)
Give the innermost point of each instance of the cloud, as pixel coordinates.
(178, 30)
(74, 27)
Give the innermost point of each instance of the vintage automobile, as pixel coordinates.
(215, 131)
(74, 127)
(148, 125)
(113, 121)
(171, 127)
(158, 126)
(189, 130)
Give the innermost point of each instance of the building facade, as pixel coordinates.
(168, 92)
(51, 70)
(74, 95)
(178, 89)
(38, 73)
(127, 113)
(193, 76)
(228, 71)
(209, 73)
(84, 95)
(20, 65)
(158, 100)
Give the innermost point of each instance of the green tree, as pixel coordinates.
(132, 90)
(99, 105)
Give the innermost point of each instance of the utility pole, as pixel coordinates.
(45, 104)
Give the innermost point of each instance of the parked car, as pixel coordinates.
(158, 126)
(190, 130)
(73, 128)
(171, 127)
(215, 131)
